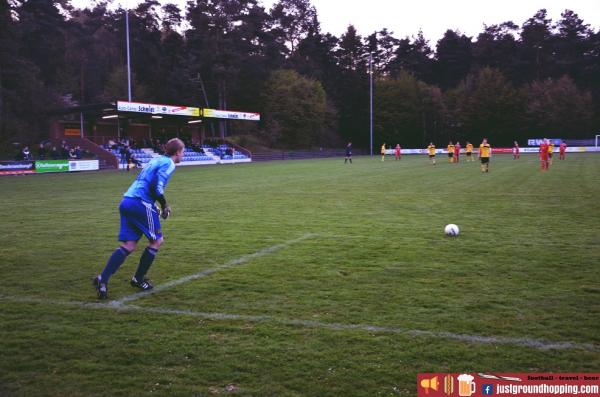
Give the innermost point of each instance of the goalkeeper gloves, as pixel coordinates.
(166, 212)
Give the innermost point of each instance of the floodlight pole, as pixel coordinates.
(128, 57)
(81, 124)
(371, 102)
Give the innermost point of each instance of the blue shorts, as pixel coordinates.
(137, 218)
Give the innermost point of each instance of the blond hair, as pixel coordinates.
(173, 146)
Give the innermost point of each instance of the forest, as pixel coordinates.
(510, 82)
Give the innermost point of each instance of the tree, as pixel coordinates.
(227, 41)
(351, 54)
(381, 46)
(116, 85)
(315, 57)
(571, 45)
(294, 19)
(557, 108)
(454, 57)
(497, 48)
(171, 18)
(537, 47)
(44, 38)
(28, 82)
(413, 56)
(407, 111)
(351, 94)
(295, 110)
(486, 104)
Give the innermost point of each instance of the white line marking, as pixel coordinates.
(539, 344)
(207, 272)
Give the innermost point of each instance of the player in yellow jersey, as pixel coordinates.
(485, 152)
(469, 151)
(383, 152)
(550, 151)
(431, 151)
(450, 152)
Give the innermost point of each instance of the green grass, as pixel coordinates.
(526, 265)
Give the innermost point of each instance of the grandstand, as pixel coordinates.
(222, 154)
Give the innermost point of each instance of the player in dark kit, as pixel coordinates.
(139, 215)
(348, 153)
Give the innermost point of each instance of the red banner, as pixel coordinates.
(508, 384)
(501, 150)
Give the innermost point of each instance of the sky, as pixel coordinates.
(405, 18)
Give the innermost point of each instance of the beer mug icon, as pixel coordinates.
(466, 385)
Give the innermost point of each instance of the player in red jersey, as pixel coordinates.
(456, 152)
(544, 155)
(398, 152)
(561, 150)
(516, 150)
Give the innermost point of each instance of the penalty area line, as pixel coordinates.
(207, 272)
(538, 344)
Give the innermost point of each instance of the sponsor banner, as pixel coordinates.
(413, 151)
(496, 150)
(583, 149)
(538, 141)
(17, 172)
(529, 150)
(16, 166)
(52, 166)
(231, 115)
(574, 149)
(508, 384)
(501, 150)
(153, 108)
(84, 165)
(72, 132)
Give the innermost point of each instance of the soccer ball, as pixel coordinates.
(451, 230)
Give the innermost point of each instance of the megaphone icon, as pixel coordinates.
(430, 384)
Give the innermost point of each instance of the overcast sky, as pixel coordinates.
(405, 18)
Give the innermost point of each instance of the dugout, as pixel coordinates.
(141, 122)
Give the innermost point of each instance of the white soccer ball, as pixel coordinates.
(451, 230)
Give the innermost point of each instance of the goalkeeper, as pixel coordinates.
(139, 215)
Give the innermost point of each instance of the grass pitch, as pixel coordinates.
(321, 278)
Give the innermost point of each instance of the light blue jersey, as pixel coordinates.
(152, 181)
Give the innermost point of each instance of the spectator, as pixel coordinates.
(123, 153)
(72, 154)
(78, 152)
(128, 157)
(196, 148)
(54, 153)
(26, 154)
(42, 152)
(135, 161)
(64, 151)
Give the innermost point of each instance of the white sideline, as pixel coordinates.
(204, 273)
(538, 344)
